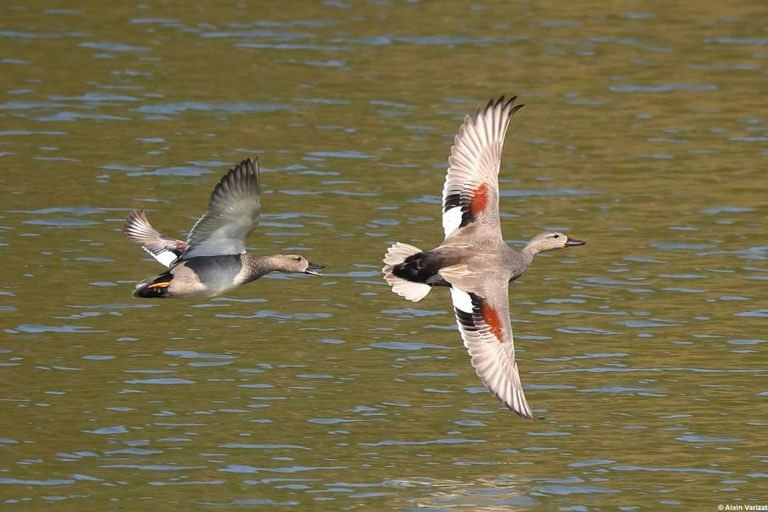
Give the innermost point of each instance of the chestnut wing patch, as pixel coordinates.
(470, 205)
(481, 319)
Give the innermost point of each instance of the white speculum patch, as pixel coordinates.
(452, 220)
(461, 300)
(165, 257)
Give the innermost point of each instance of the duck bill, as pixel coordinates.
(572, 241)
(312, 269)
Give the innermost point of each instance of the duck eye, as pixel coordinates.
(298, 258)
(555, 236)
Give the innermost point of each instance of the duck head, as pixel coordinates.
(549, 241)
(299, 264)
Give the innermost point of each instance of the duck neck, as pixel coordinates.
(527, 254)
(254, 268)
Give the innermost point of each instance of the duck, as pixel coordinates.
(473, 260)
(213, 259)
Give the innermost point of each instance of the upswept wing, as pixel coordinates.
(164, 249)
(471, 190)
(482, 314)
(233, 212)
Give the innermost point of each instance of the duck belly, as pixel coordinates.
(206, 276)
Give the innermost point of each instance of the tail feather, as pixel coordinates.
(396, 255)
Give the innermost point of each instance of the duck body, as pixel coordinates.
(491, 258)
(213, 259)
(473, 260)
(203, 276)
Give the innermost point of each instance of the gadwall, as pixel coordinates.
(213, 259)
(473, 259)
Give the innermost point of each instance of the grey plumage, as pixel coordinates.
(213, 259)
(473, 259)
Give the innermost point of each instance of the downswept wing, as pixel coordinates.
(482, 314)
(471, 190)
(233, 212)
(164, 249)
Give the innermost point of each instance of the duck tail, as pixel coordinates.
(395, 259)
(154, 287)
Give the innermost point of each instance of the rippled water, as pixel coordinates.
(642, 353)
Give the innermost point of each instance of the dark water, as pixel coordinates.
(643, 353)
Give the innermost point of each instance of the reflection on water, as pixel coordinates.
(642, 134)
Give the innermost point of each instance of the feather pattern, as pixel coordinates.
(233, 212)
(487, 334)
(164, 249)
(473, 259)
(471, 189)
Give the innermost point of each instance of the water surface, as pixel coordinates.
(642, 353)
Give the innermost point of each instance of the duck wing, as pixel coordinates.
(481, 305)
(233, 212)
(164, 249)
(471, 190)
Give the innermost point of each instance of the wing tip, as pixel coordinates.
(136, 215)
(512, 396)
(250, 164)
(247, 166)
(506, 104)
(240, 179)
(507, 108)
(137, 226)
(517, 403)
(525, 413)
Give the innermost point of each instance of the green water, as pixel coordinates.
(642, 353)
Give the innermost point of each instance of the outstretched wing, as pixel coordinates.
(164, 249)
(482, 314)
(471, 190)
(233, 212)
